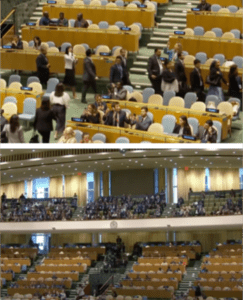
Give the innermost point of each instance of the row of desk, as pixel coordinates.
(74, 275)
(196, 248)
(103, 13)
(221, 284)
(14, 268)
(219, 294)
(129, 40)
(189, 254)
(92, 256)
(147, 283)
(47, 268)
(178, 276)
(67, 283)
(89, 250)
(211, 46)
(21, 261)
(156, 260)
(23, 291)
(216, 276)
(221, 260)
(149, 293)
(138, 268)
(237, 3)
(68, 261)
(220, 268)
(209, 20)
(159, 111)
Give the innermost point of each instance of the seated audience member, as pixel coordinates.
(125, 79)
(180, 202)
(100, 105)
(197, 84)
(68, 136)
(116, 91)
(143, 121)
(45, 20)
(62, 21)
(37, 43)
(3, 122)
(43, 65)
(160, 271)
(183, 127)
(169, 81)
(91, 115)
(117, 117)
(13, 131)
(86, 138)
(235, 83)
(81, 22)
(116, 71)
(204, 6)
(17, 43)
(210, 133)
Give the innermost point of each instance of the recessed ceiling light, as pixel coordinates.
(33, 150)
(129, 160)
(11, 176)
(55, 160)
(29, 169)
(21, 164)
(76, 169)
(141, 164)
(89, 156)
(136, 162)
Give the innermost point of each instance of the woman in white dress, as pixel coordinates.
(70, 62)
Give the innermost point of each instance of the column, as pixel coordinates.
(95, 239)
(170, 185)
(161, 179)
(96, 185)
(106, 183)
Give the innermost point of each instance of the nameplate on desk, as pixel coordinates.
(77, 119)
(212, 110)
(31, 24)
(51, 2)
(125, 28)
(7, 47)
(195, 9)
(189, 137)
(105, 54)
(26, 88)
(106, 96)
(179, 32)
(142, 5)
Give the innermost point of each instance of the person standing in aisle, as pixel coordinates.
(70, 62)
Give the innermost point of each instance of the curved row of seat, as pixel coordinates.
(226, 10)
(213, 33)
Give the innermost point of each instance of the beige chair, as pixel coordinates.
(209, 62)
(95, 3)
(15, 85)
(189, 59)
(131, 5)
(109, 297)
(223, 10)
(25, 45)
(156, 128)
(113, 28)
(228, 35)
(177, 101)
(210, 34)
(78, 2)
(79, 49)
(150, 6)
(135, 28)
(102, 48)
(3, 84)
(128, 298)
(111, 4)
(198, 105)
(138, 96)
(155, 99)
(120, 297)
(189, 31)
(227, 109)
(53, 50)
(117, 51)
(38, 87)
(93, 26)
(239, 11)
(98, 142)
(45, 45)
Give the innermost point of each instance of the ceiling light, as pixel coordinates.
(55, 160)
(33, 150)
(89, 156)
(141, 164)
(76, 169)
(69, 155)
(35, 159)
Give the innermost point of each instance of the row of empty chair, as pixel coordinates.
(229, 9)
(213, 33)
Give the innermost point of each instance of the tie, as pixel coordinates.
(120, 69)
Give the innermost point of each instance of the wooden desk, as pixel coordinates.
(219, 294)
(66, 283)
(211, 46)
(83, 250)
(159, 111)
(149, 293)
(155, 260)
(7, 276)
(16, 269)
(222, 284)
(178, 276)
(221, 260)
(94, 38)
(103, 13)
(146, 283)
(229, 247)
(189, 254)
(238, 3)
(69, 268)
(208, 20)
(216, 276)
(54, 255)
(135, 136)
(26, 60)
(67, 261)
(139, 268)
(21, 261)
(73, 276)
(23, 291)
(220, 268)
(196, 248)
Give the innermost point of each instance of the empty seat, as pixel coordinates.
(218, 126)
(189, 99)
(189, 59)
(131, 5)
(78, 135)
(103, 25)
(13, 78)
(51, 44)
(228, 35)
(210, 34)
(215, 7)
(102, 48)
(15, 85)
(198, 30)
(168, 123)
(113, 28)
(28, 110)
(99, 137)
(194, 124)
(3, 83)
(64, 46)
(94, 26)
(86, 46)
(79, 50)
(71, 22)
(32, 79)
(122, 140)
(95, 3)
(232, 8)
(104, 2)
(224, 10)
(129, 88)
(189, 31)
(202, 56)
(10, 99)
(111, 4)
(155, 99)
(120, 24)
(199, 106)
(53, 50)
(167, 96)
(156, 128)
(212, 98)
(51, 85)
(9, 110)
(236, 33)
(119, 2)
(238, 60)
(31, 44)
(177, 101)
(218, 31)
(220, 58)
(36, 86)
(147, 92)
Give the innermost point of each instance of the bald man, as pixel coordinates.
(45, 20)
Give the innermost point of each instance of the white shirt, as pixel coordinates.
(70, 59)
(64, 100)
(160, 66)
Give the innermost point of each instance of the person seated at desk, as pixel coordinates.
(197, 84)
(45, 20)
(86, 138)
(204, 6)
(37, 43)
(99, 104)
(68, 136)
(17, 43)
(209, 134)
(169, 270)
(160, 271)
(147, 277)
(91, 115)
(143, 121)
(116, 71)
(81, 22)
(62, 21)
(220, 279)
(183, 127)
(117, 117)
(116, 91)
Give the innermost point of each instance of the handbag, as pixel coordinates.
(214, 82)
(34, 139)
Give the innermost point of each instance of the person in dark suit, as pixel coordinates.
(43, 66)
(89, 77)
(117, 117)
(62, 21)
(91, 115)
(143, 121)
(235, 83)
(155, 70)
(100, 105)
(209, 134)
(116, 91)
(125, 78)
(81, 22)
(197, 84)
(181, 75)
(116, 71)
(45, 20)
(204, 6)
(198, 292)
(43, 120)
(17, 43)
(183, 127)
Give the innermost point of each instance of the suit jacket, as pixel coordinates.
(42, 62)
(180, 71)
(195, 81)
(115, 74)
(153, 67)
(64, 22)
(234, 88)
(111, 119)
(212, 138)
(143, 124)
(186, 131)
(168, 76)
(43, 120)
(19, 45)
(120, 95)
(44, 21)
(89, 70)
(206, 7)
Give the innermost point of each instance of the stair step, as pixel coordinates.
(181, 9)
(138, 70)
(140, 63)
(180, 20)
(34, 18)
(186, 1)
(39, 8)
(155, 45)
(175, 14)
(37, 14)
(159, 39)
(161, 33)
(142, 57)
(172, 25)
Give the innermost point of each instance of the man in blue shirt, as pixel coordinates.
(45, 20)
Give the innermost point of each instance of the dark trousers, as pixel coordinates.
(200, 94)
(126, 80)
(86, 86)
(45, 136)
(60, 116)
(156, 83)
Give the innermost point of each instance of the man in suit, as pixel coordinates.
(209, 134)
(197, 84)
(116, 71)
(181, 75)
(45, 20)
(17, 43)
(89, 77)
(43, 65)
(143, 121)
(116, 91)
(155, 70)
(204, 6)
(100, 105)
(62, 21)
(117, 117)
(125, 79)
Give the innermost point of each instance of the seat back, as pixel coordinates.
(9, 110)
(150, 115)
(215, 7)
(213, 98)
(147, 93)
(32, 79)
(231, 100)
(238, 60)
(95, 3)
(224, 10)
(168, 123)
(232, 8)
(228, 35)
(10, 99)
(29, 106)
(225, 108)
(103, 25)
(131, 5)
(78, 135)
(51, 44)
(116, 51)
(189, 59)
(177, 101)
(3, 83)
(167, 96)
(53, 50)
(103, 2)
(94, 26)
(51, 85)
(210, 34)
(102, 48)
(15, 85)
(13, 78)
(129, 88)
(120, 23)
(189, 99)
(218, 126)
(155, 99)
(156, 128)
(220, 58)
(189, 31)
(64, 46)
(122, 140)
(71, 22)
(236, 33)
(79, 50)
(119, 2)
(25, 45)
(111, 4)
(137, 95)
(36, 87)
(100, 137)
(202, 56)
(199, 106)
(113, 28)
(193, 122)
(218, 31)
(31, 44)
(198, 30)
